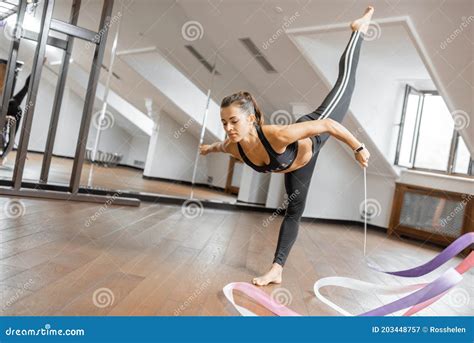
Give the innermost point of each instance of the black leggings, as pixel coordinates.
(297, 182)
(14, 108)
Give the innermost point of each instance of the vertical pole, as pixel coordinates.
(365, 211)
(203, 129)
(58, 97)
(106, 95)
(32, 92)
(90, 97)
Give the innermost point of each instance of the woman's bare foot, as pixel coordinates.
(273, 276)
(362, 24)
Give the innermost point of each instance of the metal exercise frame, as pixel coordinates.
(71, 30)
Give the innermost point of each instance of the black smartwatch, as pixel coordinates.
(362, 146)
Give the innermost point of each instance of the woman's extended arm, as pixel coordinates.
(214, 147)
(337, 130)
(290, 133)
(340, 132)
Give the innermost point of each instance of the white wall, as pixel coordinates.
(253, 186)
(276, 191)
(137, 150)
(114, 139)
(172, 155)
(177, 88)
(217, 168)
(337, 188)
(172, 152)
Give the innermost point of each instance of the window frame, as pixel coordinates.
(414, 148)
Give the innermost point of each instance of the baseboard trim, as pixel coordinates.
(183, 182)
(72, 158)
(189, 183)
(166, 199)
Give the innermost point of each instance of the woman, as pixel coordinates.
(12, 124)
(292, 149)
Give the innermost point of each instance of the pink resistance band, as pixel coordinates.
(420, 295)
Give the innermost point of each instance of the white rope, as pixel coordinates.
(365, 211)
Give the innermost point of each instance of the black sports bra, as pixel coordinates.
(278, 162)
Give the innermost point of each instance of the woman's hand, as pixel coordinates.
(205, 149)
(363, 157)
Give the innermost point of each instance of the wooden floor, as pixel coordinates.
(70, 258)
(117, 178)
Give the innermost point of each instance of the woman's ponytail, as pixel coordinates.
(246, 102)
(256, 109)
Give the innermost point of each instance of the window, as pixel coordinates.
(427, 139)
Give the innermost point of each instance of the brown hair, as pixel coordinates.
(246, 102)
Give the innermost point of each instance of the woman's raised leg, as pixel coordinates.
(337, 102)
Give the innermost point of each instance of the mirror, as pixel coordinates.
(151, 111)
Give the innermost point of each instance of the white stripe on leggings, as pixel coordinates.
(345, 78)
